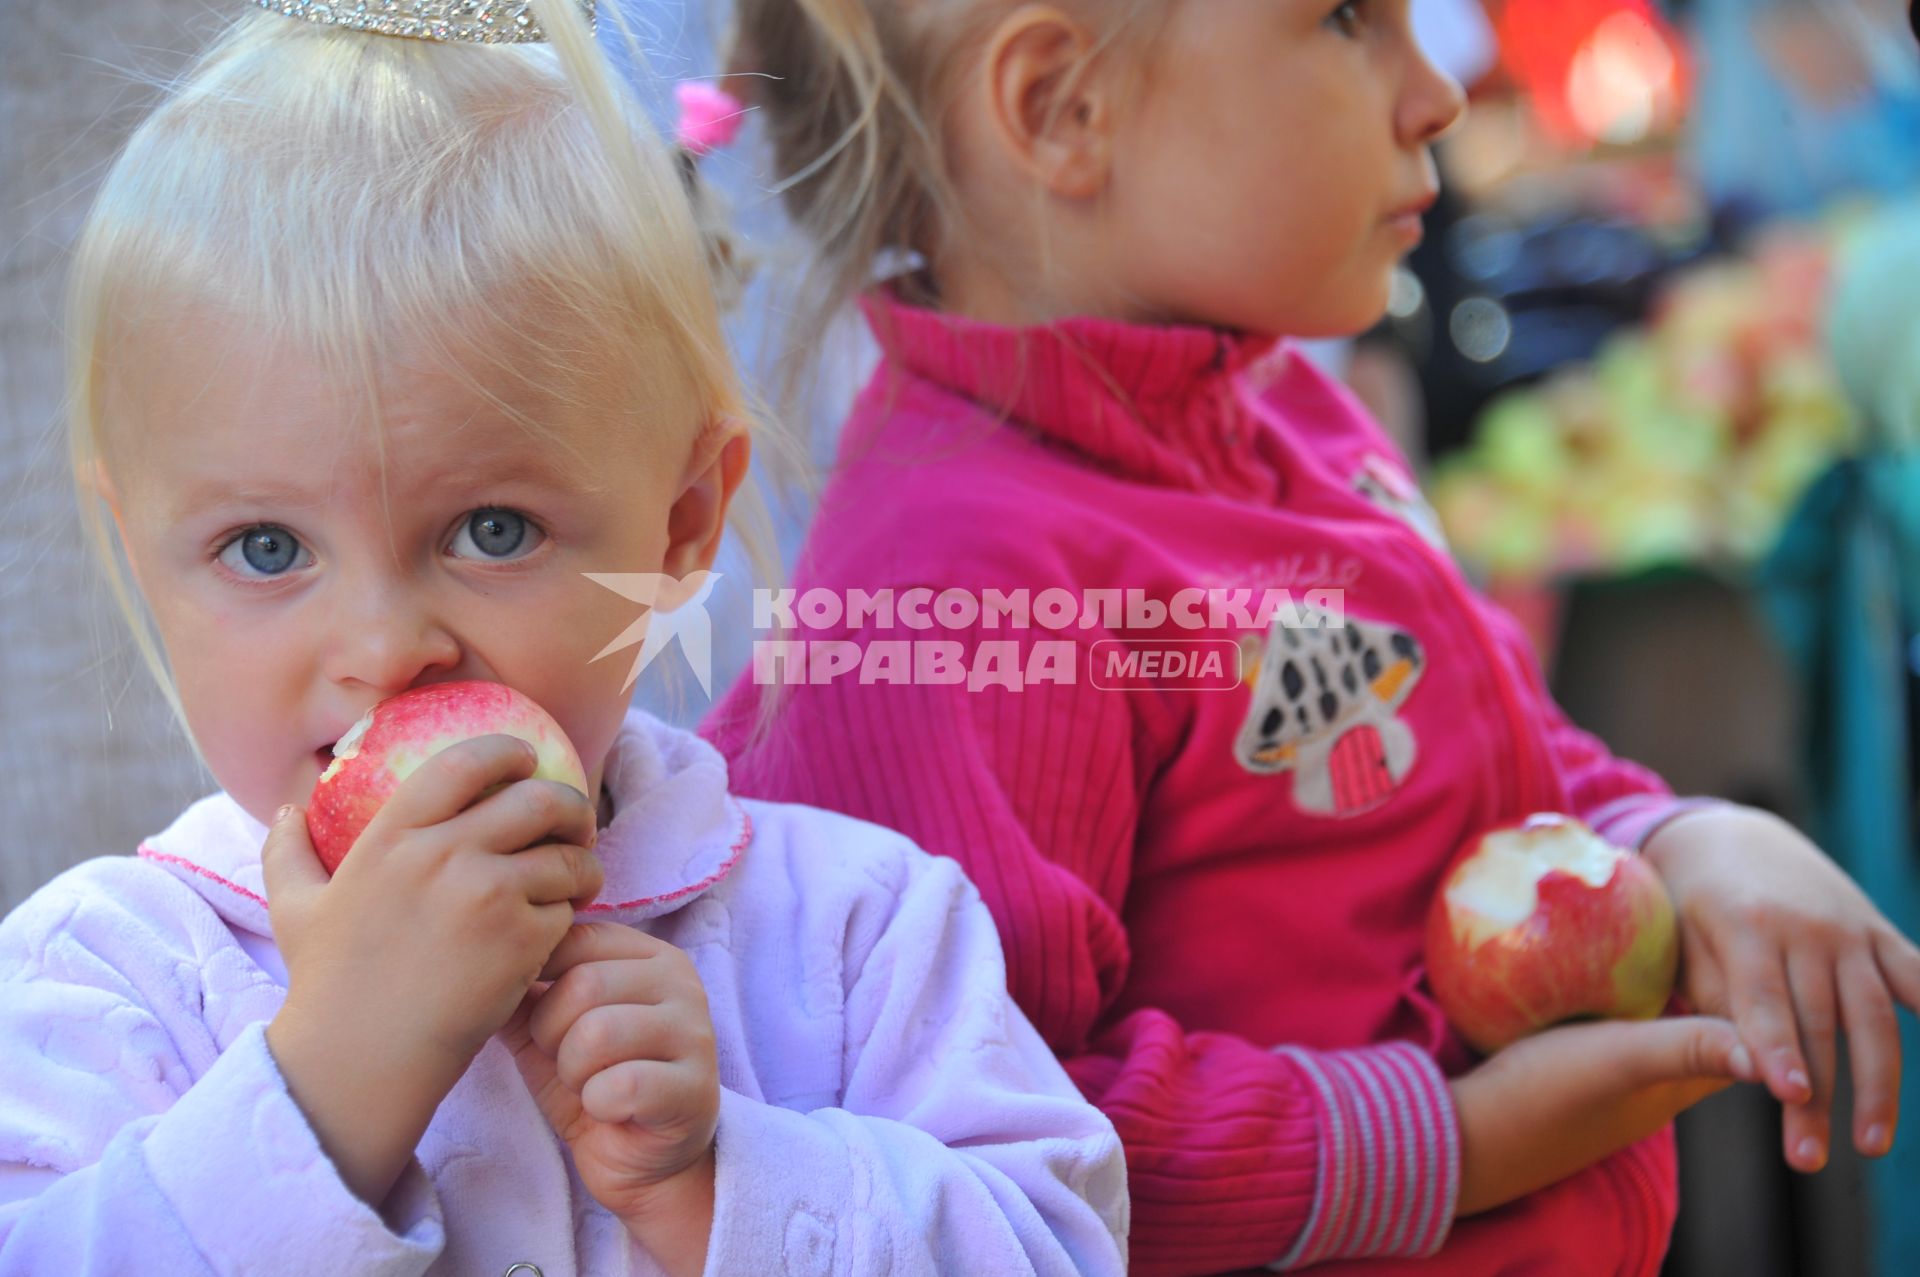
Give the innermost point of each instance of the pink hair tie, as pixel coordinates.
(710, 118)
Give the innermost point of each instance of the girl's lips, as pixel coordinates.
(1408, 220)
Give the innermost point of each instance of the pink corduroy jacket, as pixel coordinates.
(1211, 891)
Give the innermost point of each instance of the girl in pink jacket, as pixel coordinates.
(1088, 487)
(389, 330)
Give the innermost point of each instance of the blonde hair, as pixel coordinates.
(853, 92)
(340, 189)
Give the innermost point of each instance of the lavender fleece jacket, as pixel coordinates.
(886, 1108)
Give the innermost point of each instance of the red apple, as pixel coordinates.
(1547, 922)
(394, 737)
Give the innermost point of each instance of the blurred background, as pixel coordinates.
(1656, 356)
(1659, 360)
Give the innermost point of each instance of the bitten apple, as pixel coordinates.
(393, 738)
(1547, 922)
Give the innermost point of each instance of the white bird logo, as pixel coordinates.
(676, 608)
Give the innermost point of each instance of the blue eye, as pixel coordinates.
(264, 551)
(498, 534)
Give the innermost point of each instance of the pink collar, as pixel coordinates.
(1154, 403)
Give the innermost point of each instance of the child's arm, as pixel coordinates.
(1555, 1103)
(420, 946)
(618, 1049)
(171, 1154)
(124, 1068)
(1773, 934)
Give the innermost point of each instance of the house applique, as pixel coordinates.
(1325, 702)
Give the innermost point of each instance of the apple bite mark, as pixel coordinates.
(348, 747)
(1500, 887)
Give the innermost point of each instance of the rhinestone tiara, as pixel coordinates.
(453, 21)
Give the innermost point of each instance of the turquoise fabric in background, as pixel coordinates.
(1843, 591)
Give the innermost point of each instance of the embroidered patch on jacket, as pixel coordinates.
(1389, 487)
(1325, 702)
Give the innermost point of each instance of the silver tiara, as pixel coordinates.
(462, 21)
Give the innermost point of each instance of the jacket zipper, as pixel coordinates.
(1526, 786)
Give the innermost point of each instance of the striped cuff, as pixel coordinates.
(1389, 1155)
(1630, 821)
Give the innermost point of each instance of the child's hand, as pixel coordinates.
(619, 1052)
(1776, 937)
(1561, 1100)
(421, 946)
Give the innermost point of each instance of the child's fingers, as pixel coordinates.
(1674, 1050)
(516, 1033)
(288, 862)
(1760, 1003)
(1900, 962)
(1873, 1040)
(524, 813)
(556, 873)
(1566, 1097)
(600, 942)
(604, 1036)
(614, 982)
(1806, 1128)
(636, 1090)
(559, 1105)
(449, 782)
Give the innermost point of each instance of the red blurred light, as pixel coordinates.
(1596, 70)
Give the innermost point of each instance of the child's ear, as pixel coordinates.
(103, 488)
(1051, 113)
(698, 518)
(109, 494)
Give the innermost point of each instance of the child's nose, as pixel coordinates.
(1432, 103)
(383, 639)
